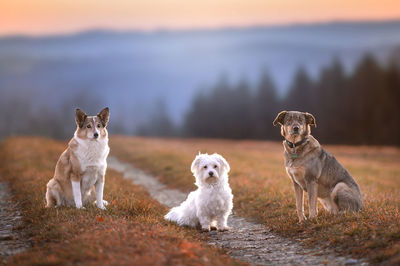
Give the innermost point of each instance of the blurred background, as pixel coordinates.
(219, 69)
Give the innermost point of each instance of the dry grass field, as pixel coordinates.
(263, 192)
(130, 231)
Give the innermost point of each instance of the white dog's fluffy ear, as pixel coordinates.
(196, 163)
(221, 160)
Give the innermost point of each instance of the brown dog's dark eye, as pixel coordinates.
(98, 125)
(205, 167)
(215, 166)
(88, 126)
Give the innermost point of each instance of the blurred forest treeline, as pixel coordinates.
(357, 108)
(360, 107)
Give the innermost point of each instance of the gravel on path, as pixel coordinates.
(12, 237)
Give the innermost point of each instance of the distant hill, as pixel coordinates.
(132, 71)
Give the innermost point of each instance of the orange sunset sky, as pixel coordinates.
(36, 17)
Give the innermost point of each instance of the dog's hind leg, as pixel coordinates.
(50, 200)
(345, 198)
(329, 205)
(53, 198)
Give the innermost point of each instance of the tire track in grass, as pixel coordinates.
(247, 241)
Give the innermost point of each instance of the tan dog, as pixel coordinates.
(81, 168)
(314, 170)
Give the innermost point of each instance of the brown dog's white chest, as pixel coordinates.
(297, 174)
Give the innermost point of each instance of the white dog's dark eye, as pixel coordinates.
(205, 167)
(88, 126)
(98, 125)
(215, 166)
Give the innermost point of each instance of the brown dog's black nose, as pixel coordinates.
(96, 135)
(296, 129)
(211, 173)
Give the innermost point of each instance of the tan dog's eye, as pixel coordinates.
(205, 167)
(98, 125)
(88, 126)
(215, 166)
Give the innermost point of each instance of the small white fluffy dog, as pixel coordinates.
(210, 205)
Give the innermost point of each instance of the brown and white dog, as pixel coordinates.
(81, 168)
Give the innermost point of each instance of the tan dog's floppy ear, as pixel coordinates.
(80, 117)
(280, 118)
(310, 119)
(196, 163)
(104, 116)
(221, 160)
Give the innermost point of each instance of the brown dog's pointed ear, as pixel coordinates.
(310, 119)
(280, 118)
(104, 116)
(80, 117)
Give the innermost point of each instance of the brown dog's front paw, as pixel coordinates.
(302, 219)
(312, 217)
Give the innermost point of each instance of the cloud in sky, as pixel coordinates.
(63, 16)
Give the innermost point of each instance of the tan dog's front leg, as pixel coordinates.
(99, 187)
(312, 189)
(299, 201)
(76, 191)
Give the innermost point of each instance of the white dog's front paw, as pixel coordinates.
(80, 207)
(224, 228)
(205, 228)
(105, 203)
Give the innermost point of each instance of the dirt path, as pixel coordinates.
(247, 241)
(12, 239)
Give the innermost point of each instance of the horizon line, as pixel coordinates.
(196, 29)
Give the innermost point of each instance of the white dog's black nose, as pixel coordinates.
(211, 173)
(96, 135)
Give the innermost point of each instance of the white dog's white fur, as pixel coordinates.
(210, 205)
